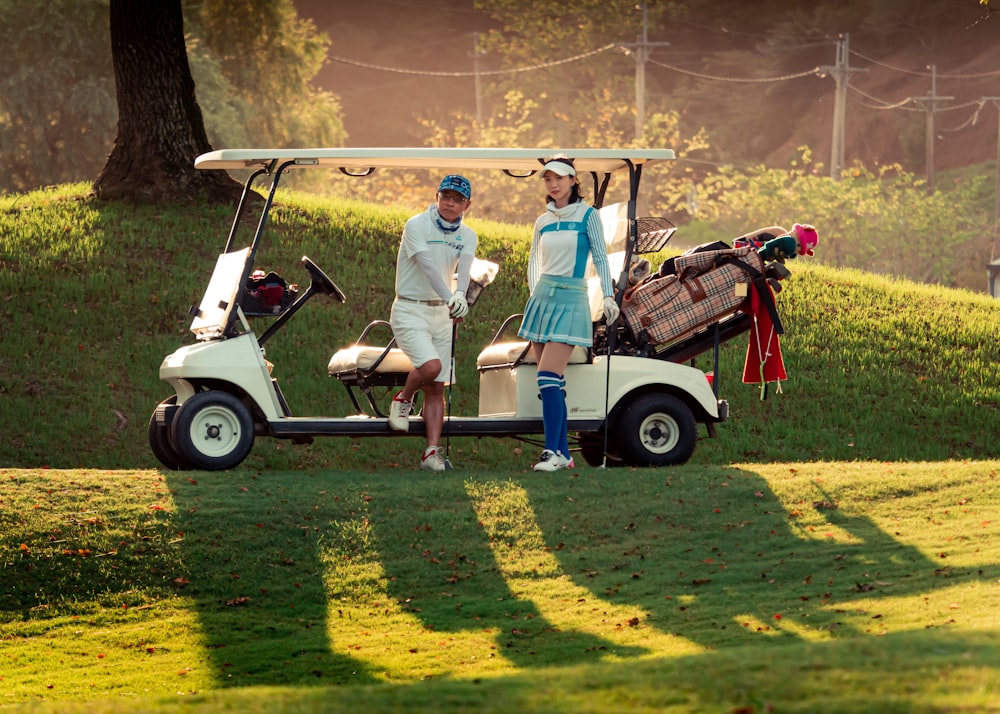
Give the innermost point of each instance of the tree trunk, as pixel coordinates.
(160, 126)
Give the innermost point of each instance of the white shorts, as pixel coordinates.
(423, 332)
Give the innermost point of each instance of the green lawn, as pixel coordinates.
(793, 587)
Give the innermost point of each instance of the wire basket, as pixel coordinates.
(652, 233)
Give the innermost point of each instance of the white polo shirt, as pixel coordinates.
(422, 233)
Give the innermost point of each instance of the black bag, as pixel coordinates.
(267, 295)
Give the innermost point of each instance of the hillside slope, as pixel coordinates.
(95, 295)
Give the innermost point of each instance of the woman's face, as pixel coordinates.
(558, 187)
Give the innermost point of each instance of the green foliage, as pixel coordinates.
(58, 109)
(880, 222)
(57, 92)
(269, 55)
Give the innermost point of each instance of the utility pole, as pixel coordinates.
(996, 191)
(475, 72)
(929, 103)
(841, 74)
(640, 52)
(993, 267)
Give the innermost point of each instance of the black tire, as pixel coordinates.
(592, 449)
(656, 430)
(159, 440)
(212, 431)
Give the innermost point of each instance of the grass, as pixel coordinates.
(802, 587)
(94, 295)
(834, 549)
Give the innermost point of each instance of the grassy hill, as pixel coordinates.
(94, 295)
(842, 577)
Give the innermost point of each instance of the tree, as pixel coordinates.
(160, 125)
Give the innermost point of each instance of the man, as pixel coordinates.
(435, 244)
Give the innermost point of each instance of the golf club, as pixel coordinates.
(451, 379)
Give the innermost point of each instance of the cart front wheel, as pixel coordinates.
(656, 430)
(213, 431)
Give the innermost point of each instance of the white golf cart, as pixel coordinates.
(627, 405)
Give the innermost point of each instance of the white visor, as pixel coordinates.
(560, 168)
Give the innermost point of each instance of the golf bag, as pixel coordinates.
(706, 287)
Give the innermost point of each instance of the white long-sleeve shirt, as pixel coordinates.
(563, 241)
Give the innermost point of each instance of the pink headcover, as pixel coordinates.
(806, 237)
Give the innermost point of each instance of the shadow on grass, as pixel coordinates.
(709, 557)
(259, 587)
(718, 559)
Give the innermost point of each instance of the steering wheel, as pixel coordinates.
(320, 282)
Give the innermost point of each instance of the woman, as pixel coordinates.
(557, 316)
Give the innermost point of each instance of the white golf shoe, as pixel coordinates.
(399, 413)
(550, 460)
(432, 459)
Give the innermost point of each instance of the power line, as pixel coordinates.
(515, 70)
(748, 80)
(919, 73)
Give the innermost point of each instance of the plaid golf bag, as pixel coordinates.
(705, 287)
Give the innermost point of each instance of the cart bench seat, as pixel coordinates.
(368, 358)
(511, 354)
(363, 366)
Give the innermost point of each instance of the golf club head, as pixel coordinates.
(447, 464)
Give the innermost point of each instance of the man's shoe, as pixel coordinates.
(399, 413)
(553, 461)
(432, 459)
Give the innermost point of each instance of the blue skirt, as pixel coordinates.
(558, 311)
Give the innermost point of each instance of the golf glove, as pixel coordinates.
(611, 310)
(458, 306)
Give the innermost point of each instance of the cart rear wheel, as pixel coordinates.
(592, 449)
(213, 431)
(656, 430)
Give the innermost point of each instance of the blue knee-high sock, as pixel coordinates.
(553, 408)
(564, 425)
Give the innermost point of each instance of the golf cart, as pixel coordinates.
(629, 402)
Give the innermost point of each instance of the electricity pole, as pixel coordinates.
(475, 71)
(640, 51)
(993, 267)
(841, 74)
(929, 103)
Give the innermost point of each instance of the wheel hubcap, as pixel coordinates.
(659, 433)
(216, 432)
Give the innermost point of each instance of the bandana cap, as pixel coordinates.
(458, 184)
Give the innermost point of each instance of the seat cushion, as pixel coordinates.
(502, 354)
(360, 358)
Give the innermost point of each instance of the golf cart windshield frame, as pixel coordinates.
(600, 164)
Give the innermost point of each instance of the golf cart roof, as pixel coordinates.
(515, 161)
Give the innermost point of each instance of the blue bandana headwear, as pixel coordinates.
(456, 183)
(445, 226)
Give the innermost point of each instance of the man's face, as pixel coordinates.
(451, 205)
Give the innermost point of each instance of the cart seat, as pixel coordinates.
(364, 366)
(511, 354)
(368, 359)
